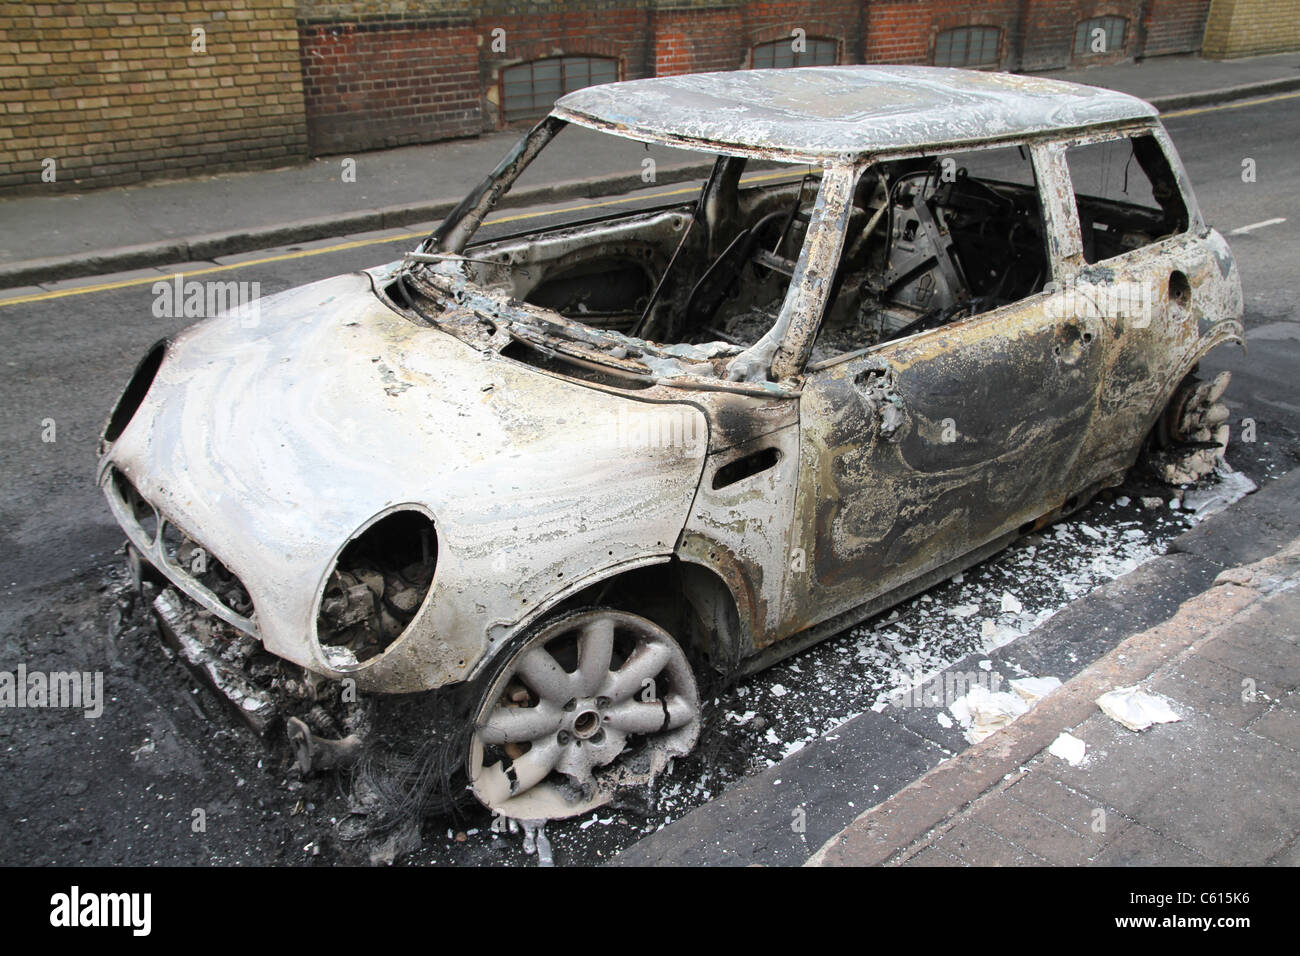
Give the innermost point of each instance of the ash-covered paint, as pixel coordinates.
(833, 114)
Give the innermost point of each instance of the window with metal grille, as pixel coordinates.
(781, 53)
(967, 46)
(1099, 35)
(528, 90)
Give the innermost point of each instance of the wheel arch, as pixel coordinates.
(1227, 332)
(690, 601)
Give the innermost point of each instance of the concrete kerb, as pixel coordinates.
(1227, 94)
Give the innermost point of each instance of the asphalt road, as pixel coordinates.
(65, 360)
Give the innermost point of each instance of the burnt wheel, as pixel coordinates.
(590, 700)
(1190, 437)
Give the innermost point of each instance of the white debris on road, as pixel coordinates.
(1034, 689)
(1230, 487)
(996, 635)
(1135, 708)
(1069, 748)
(982, 712)
(1011, 604)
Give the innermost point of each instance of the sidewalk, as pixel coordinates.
(1218, 787)
(46, 238)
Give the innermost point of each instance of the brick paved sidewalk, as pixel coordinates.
(1219, 787)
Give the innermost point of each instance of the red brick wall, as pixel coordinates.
(899, 31)
(697, 41)
(389, 83)
(904, 31)
(1175, 26)
(377, 75)
(1049, 32)
(707, 38)
(380, 78)
(609, 30)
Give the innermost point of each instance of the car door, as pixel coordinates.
(1158, 290)
(918, 451)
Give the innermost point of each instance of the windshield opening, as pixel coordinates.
(668, 245)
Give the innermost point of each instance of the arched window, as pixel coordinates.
(530, 89)
(968, 46)
(1098, 36)
(814, 51)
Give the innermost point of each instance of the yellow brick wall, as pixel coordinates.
(1251, 27)
(113, 92)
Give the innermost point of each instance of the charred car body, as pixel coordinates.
(911, 313)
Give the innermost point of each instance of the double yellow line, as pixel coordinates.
(1192, 111)
(361, 243)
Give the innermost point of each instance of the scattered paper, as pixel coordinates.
(1034, 689)
(995, 635)
(1135, 708)
(981, 711)
(1069, 748)
(1231, 487)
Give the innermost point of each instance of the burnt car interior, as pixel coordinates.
(715, 268)
(929, 240)
(1126, 194)
(932, 240)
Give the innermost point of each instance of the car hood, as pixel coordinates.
(271, 436)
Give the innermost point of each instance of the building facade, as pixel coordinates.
(404, 71)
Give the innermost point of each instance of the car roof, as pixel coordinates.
(843, 113)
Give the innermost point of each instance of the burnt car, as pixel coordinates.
(910, 313)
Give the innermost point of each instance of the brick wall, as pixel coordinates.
(712, 37)
(531, 31)
(1251, 27)
(1175, 26)
(368, 85)
(898, 31)
(363, 63)
(113, 92)
(1049, 28)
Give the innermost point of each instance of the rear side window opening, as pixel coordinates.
(933, 240)
(1126, 195)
